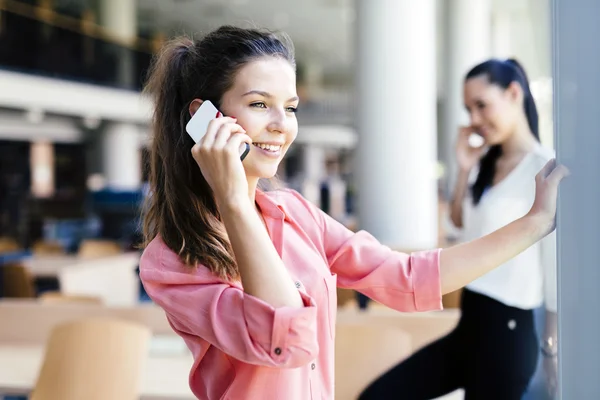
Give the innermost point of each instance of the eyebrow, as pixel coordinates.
(267, 95)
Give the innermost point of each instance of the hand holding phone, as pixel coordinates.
(467, 155)
(198, 125)
(218, 141)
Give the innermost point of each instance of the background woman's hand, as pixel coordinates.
(466, 155)
(546, 191)
(217, 155)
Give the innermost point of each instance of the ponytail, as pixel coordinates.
(530, 107)
(502, 73)
(171, 212)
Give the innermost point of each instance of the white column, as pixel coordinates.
(501, 34)
(396, 121)
(468, 42)
(119, 18)
(121, 156)
(314, 167)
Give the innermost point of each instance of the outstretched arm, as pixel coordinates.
(466, 262)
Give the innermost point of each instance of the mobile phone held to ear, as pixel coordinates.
(198, 124)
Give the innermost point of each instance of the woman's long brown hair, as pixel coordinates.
(180, 207)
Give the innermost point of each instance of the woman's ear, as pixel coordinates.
(515, 92)
(194, 106)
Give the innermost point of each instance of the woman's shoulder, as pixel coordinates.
(158, 260)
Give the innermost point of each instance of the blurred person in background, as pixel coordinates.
(493, 351)
(247, 277)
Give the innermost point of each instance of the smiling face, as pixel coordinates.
(263, 98)
(493, 111)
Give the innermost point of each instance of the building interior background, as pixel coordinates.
(74, 129)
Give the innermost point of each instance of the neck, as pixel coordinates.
(252, 185)
(521, 141)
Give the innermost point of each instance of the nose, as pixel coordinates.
(475, 118)
(277, 124)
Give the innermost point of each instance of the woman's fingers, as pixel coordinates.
(237, 142)
(208, 139)
(224, 133)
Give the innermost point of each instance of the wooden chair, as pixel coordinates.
(8, 244)
(93, 359)
(47, 248)
(345, 296)
(17, 281)
(94, 248)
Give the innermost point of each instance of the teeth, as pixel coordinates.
(268, 147)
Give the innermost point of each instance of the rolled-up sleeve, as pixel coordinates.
(405, 282)
(240, 325)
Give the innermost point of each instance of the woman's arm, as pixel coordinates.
(416, 282)
(201, 307)
(262, 271)
(463, 263)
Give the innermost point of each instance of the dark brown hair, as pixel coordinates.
(180, 207)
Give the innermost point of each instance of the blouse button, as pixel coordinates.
(512, 324)
(298, 285)
(313, 366)
(277, 351)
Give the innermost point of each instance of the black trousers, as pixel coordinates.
(491, 354)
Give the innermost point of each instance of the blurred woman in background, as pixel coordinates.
(493, 351)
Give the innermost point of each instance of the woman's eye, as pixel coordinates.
(292, 109)
(258, 105)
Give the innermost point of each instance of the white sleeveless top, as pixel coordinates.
(528, 280)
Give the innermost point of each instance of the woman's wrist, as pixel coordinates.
(235, 205)
(540, 225)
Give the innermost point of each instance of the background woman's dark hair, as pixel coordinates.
(180, 207)
(501, 73)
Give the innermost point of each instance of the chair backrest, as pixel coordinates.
(47, 248)
(93, 248)
(345, 296)
(8, 244)
(93, 359)
(362, 353)
(17, 281)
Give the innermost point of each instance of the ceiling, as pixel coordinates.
(321, 29)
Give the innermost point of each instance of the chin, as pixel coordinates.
(262, 173)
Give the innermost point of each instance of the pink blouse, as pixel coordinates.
(245, 349)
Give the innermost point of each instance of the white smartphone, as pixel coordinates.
(475, 140)
(198, 125)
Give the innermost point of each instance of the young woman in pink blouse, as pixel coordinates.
(248, 278)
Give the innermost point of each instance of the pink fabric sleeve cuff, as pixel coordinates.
(282, 331)
(427, 286)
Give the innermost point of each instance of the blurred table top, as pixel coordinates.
(48, 266)
(165, 373)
